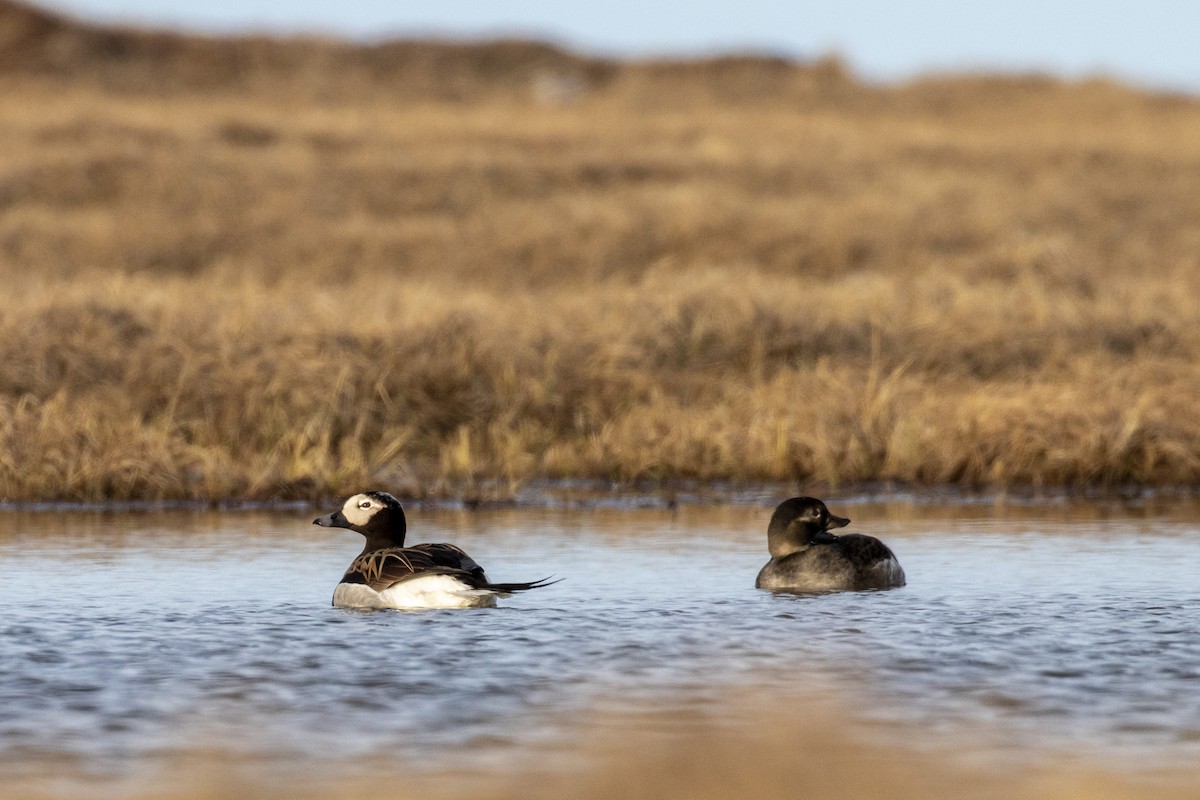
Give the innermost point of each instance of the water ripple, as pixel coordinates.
(1092, 648)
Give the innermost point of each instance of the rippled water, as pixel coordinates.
(127, 638)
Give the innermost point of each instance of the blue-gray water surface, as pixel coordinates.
(127, 638)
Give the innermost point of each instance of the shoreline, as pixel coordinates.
(574, 494)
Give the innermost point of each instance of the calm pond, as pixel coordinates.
(128, 638)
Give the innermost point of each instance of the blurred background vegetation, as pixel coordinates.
(290, 268)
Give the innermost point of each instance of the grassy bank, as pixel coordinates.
(254, 268)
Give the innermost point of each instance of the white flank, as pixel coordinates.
(432, 591)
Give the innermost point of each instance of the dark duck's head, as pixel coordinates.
(797, 522)
(376, 515)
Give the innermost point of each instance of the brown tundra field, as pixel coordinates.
(259, 268)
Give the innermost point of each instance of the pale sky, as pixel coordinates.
(1152, 43)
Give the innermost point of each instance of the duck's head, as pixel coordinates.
(376, 515)
(796, 522)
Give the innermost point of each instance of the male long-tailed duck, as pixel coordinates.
(389, 575)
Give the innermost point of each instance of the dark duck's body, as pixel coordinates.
(806, 557)
(389, 575)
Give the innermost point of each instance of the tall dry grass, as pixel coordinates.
(256, 268)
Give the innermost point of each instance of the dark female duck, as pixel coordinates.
(806, 557)
(389, 575)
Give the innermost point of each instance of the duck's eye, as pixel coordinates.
(365, 504)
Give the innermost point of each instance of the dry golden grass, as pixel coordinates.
(255, 268)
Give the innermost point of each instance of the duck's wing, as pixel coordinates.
(450, 556)
(864, 550)
(386, 567)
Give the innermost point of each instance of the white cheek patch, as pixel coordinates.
(355, 515)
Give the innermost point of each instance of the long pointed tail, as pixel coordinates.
(521, 587)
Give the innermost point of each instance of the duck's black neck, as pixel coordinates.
(384, 533)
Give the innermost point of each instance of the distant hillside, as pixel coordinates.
(34, 41)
